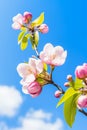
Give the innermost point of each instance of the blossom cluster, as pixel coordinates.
(81, 73)
(35, 74)
(25, 20)
(34, 69)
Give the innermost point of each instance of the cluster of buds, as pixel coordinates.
(81, 73)
(25, 20)
(70, 80)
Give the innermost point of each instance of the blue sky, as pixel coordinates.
(67, 21)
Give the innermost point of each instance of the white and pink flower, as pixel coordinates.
(54, 56)
(17, 21)
(29, 71)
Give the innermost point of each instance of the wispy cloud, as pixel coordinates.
(10, 100)
(37, 120)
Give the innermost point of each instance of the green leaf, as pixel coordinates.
(24, 43)
(78, 84)
(70, 110)
(27, 35)
(32, 41)
(20, 36)
(70, 92)
(38, 21)
(36, 38)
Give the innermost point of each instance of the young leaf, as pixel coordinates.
(32, 41)
(20, 36)
(24, 43)
(27, 35)
(70, 92)
(78, 84)
(70, 110)
(36, 38)
(38, 21)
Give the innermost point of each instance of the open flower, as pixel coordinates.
(54, 56)
(29, 71)
(82, 101)
(81, 71)
(17, 21)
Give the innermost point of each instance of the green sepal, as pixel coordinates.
(41, 81)
(70, 108)
(45, 67)
(38, 21)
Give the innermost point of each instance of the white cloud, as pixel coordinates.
(10, 100)
(38, 120)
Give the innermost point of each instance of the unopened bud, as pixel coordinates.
(66, 84)
(27, 17)
(69, 78)
(57, 94)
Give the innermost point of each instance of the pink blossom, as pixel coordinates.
(81, 71)
(54, 56)
(43, 28)
(57, 94)
(34, 89)
(82, 101)
(29, 71)
(27, 17)
(17, 21)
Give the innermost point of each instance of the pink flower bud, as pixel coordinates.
(66, 84)
(34, 89)
(57, 94)
(43, 28)
(69, 77)
(27, 17)
(82, 101)
(81, 71)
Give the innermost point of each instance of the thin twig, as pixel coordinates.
(58, 87)
(83, 112)
(36, 51)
